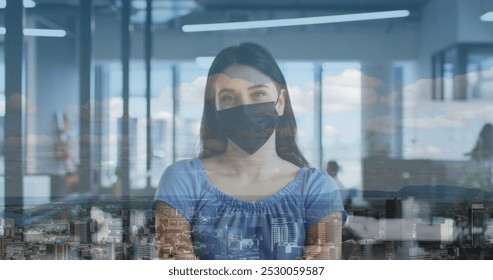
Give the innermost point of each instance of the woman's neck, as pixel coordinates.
(241, 162)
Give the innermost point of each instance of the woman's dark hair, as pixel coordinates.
(212, 139)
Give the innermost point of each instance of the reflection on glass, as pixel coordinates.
(341, 116)
(161, 124)
(162, 119)
(2, 117)
(447, 102)
(189, 109)
(299, 77)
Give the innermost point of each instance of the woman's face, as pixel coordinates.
(243, 85)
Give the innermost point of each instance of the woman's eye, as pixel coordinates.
(228, 99)
(259, 94)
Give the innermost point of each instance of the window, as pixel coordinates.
(162, 119)
(2, 115)
(189, 107)
(300, 80)
(341, 119)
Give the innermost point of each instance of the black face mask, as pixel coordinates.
(249, 126)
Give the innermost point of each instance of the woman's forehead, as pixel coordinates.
(246, 73)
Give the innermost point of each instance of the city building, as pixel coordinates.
(279, 232)
(477, 219)
(58, 251)
(81, 232)
(2, 247)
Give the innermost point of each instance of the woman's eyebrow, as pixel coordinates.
(230, 90)
(258, 86)
(226, 90)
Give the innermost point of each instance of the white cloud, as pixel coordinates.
(163, 115)
(350, 78)
(480, 110)
(339, 99)
(116, 107)
(418, 92)
(193, 92)
(371, 82)
(301, 101)
(330, 131)
(433, 122)
(430, 151)
(342, 93)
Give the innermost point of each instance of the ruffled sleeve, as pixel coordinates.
(321, 197)
(178, 187)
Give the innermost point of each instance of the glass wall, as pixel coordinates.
(162, 119)
(403, 105)
(341, 129)
(2, 117)
(300, 79)
(161, 116)
(188, 110)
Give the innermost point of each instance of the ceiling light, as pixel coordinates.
(45, 32)
(39, 32)
(487, 17)
(294, 21)
(27, 4)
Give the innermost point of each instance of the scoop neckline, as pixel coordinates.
(290, 187)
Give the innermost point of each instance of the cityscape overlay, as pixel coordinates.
(381, 225)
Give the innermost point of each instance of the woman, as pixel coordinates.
(250, 194)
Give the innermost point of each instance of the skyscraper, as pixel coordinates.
(2, 247)
(58, 251)
(329, 235)
(293, 227)
(224, 241)
(393, 211)
(279, 232)
(81, 232)
(476, 215)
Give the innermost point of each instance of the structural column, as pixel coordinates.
(318, 113)
(148, 60)
(125, 124)
(14, 123)
(176, 109)
(381, 110)
(86, 111)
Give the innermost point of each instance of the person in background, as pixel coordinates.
(347, 195)
(333, 169)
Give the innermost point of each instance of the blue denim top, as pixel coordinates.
(226, 227)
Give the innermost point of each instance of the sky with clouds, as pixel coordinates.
(439, 130)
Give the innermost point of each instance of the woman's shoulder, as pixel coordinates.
(316, 180)
(187, 165)
(181, 170)
(179, 186)
(316, 173)
(179, 179)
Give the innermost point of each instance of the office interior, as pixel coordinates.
(98, 97)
